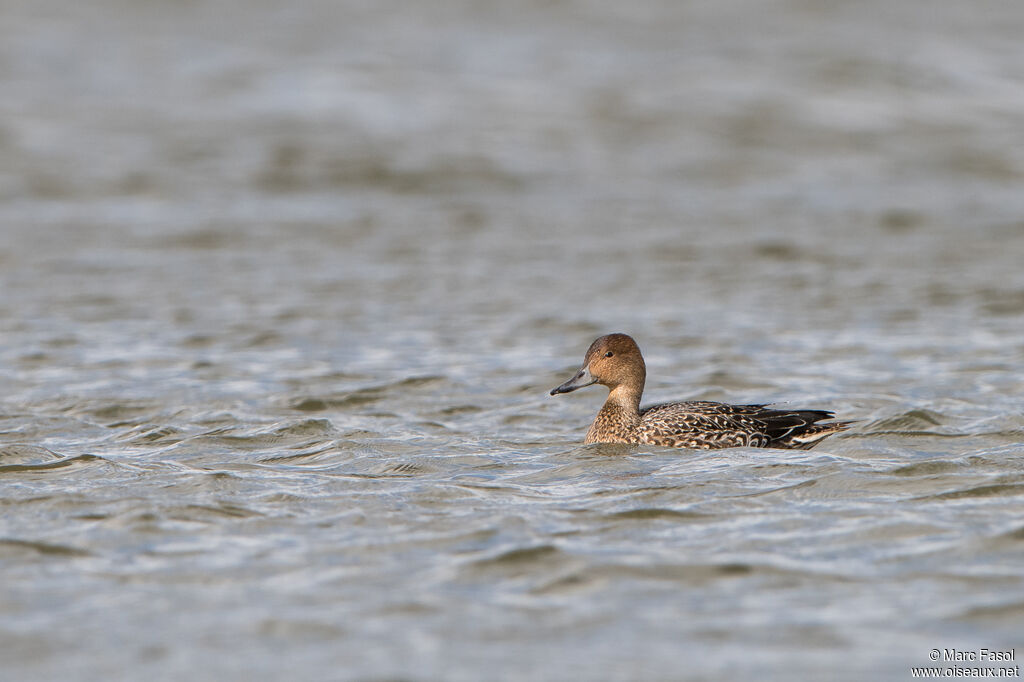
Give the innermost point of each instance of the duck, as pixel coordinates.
(615, 361)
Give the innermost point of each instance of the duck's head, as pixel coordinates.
(613, 360)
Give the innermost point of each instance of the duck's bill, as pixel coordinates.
(582, 378)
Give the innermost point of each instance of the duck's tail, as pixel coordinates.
(796, 429)
(808, 437)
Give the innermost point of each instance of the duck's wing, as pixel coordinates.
(711, 424)
(702, 425)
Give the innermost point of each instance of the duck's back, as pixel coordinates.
(705, 424)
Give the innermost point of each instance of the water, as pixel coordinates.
(285, 287)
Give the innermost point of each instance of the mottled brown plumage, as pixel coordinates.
(615, 361)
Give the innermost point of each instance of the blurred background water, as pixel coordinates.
(285, 285)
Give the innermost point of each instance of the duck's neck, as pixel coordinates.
(625, 399)
(618, 418)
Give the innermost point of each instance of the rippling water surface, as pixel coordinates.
(285, 286)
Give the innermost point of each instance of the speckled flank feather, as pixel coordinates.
(718, 425)
(615, 361)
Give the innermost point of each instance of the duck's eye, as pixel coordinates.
(609, 354)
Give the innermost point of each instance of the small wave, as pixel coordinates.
(26, 454)
(782, 489)
(1006, 541)
(454, 410)
(117, 413)
(912, 421)
(362, 396)
(273, 436)
(929, 468)
(685, 573)
(310, 404)
(12, 546)
(404, 468)
(518, 560)
(1010, 613)
(317, 453)
(205, 512)
(200, 239)
(152, 435)
(991, 490)
(1017, 534)
(305, 427)
(654, 513)
(56, 464)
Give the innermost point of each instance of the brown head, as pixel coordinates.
(614, 361)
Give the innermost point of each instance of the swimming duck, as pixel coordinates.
(615, 361)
